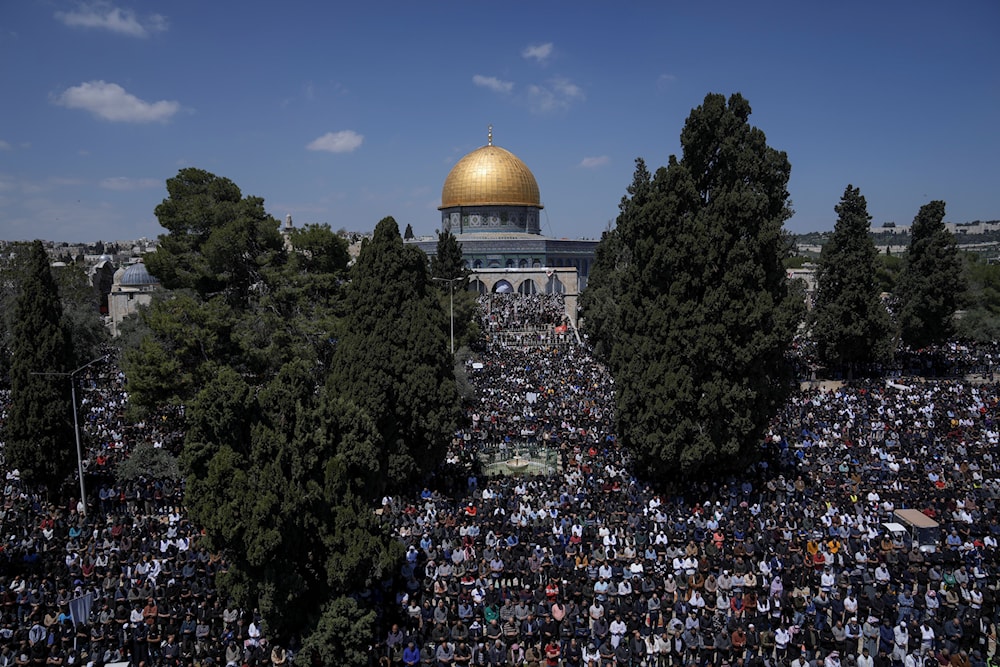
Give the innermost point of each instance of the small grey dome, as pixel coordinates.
(137, 276)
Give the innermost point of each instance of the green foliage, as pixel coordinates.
(467, 330)
(450, 274)
(887, 270)
(981, 320)
(392, 358)
(191, 337)
(850, 324)
(982, 281)
(316, 249)
(218, 242)
(39, 432)
(80, 307)
(690, 298)
(147, 461)
(447, 262)
(11, 262)
(979, 325)
(283, 466)
(599, 301)
(795, 261)
(280, 479)
(466, 391)
(344, 628)
(931, 282)
(81, 312)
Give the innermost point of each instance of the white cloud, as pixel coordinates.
(493, 83)
(4, 146)
(124, 183)
(555, 95)
(111, 102)
(592, 162)
(538, 52)
(344, 141)
(665, 80)
(105, 16)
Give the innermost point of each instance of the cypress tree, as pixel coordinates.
(599, 301)
(850, 325)
(283, 467)
(447, 263)
(931, 282)
(703, 318)
(451, 277)
(392, 359)
(39, 434)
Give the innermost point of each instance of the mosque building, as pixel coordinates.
(492, 205)
(132, 287)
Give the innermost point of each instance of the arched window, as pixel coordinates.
(478, 264)
(527, 287)
(523, 264)
(477, 286)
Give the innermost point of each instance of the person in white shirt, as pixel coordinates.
(618, 629)
(781, 638)
(902, 641)
(926, 638)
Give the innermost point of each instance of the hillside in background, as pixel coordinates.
(980, 236)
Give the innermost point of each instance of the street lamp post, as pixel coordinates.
(76, 424)
(451, 299)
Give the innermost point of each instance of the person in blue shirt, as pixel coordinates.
(411, 655)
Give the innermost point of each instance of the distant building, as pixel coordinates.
(973, 228)
(132, 287)
(491, 203)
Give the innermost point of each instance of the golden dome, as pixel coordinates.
(490, 176)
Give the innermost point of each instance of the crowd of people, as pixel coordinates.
(521, 312)
(791, 563)
(124, 579)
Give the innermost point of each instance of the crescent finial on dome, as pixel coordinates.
(489, 135)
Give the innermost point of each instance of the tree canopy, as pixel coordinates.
(304, 395)
(932, 280)
(981, 321)
(391, 358)
(39, 429)
(850, 324)
(447, 262)
(449, 271)
(218, 242)
(690, 298)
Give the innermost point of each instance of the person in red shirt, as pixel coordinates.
(552, 590)
(552, 653)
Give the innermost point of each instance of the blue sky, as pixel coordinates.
(344, 113)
